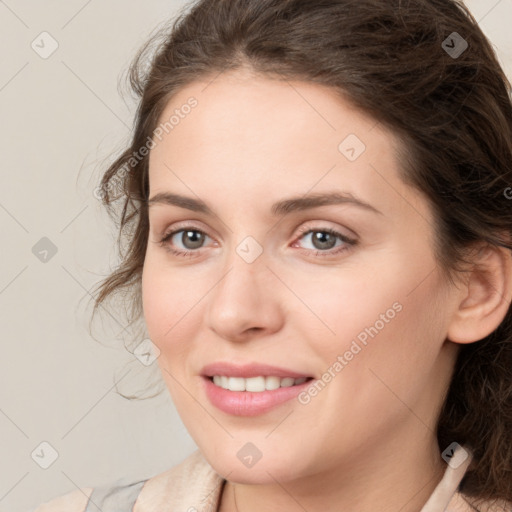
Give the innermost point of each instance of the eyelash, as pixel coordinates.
(349, 242)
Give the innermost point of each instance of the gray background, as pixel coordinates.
(62, 118)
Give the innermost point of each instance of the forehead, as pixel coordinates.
(261, 138)
(254, 113)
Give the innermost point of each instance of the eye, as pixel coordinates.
(190, 238)
(326, 241)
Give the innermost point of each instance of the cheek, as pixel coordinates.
(343, 304)
(172, 306)
(391, 348)
(172, 322)
(381, 356)
(385, 316)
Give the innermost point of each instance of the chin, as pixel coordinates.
(226, 461)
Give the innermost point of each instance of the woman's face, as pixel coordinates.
(285, 278)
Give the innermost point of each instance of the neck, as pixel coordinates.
(399, 477)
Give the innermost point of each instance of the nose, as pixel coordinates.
(246, 302)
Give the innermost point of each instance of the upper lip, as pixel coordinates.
(249, 370)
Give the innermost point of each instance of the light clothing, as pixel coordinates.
(194, 486)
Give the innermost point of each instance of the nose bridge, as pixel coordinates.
(244, 274)
(249, 250)
(243, 298)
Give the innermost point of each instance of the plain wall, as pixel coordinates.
(62, 116)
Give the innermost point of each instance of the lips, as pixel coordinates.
(226, 386)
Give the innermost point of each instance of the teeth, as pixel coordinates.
(255, 384)
(236, 384)
(272, 383)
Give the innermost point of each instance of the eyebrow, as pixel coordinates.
(280, 208)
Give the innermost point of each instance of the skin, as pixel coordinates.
(367, 441)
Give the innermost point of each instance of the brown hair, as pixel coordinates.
(398, 61)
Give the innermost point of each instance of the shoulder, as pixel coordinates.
(107, 497)
(191, 484)
(74, 501)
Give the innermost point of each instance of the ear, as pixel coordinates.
(485, 296)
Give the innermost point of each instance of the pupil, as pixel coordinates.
(325, 240)
(194, 240)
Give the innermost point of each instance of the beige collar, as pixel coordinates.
(445, 496)
(194, 484)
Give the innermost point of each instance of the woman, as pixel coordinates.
(318, 203)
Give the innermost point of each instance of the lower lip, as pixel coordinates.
(247, 403)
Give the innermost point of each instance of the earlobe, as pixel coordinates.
(485, 298)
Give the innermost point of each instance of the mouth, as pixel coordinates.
(251, 389)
